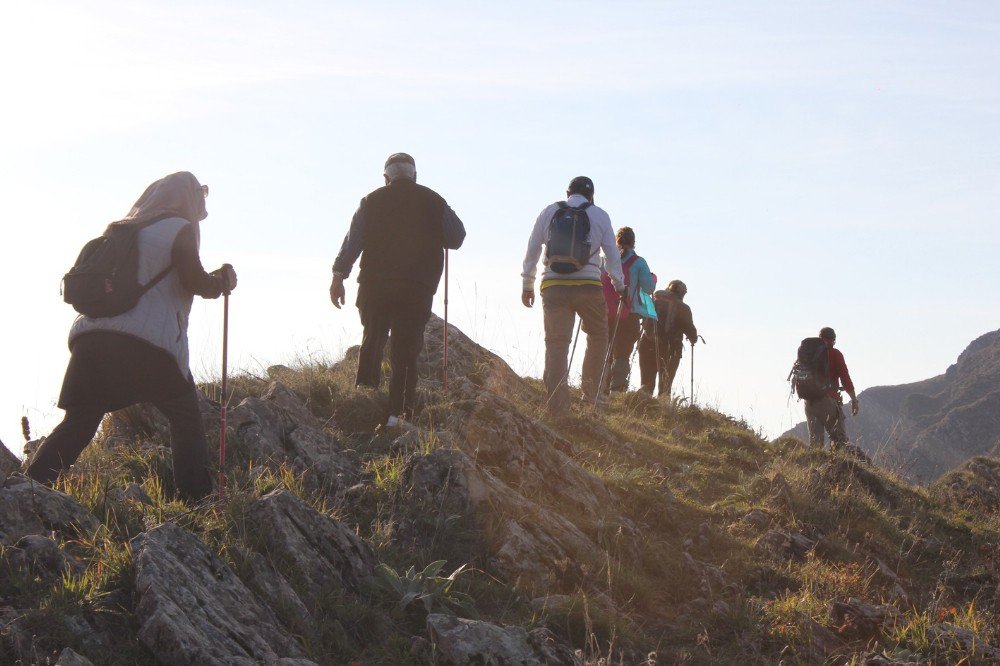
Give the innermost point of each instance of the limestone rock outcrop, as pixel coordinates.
(27, 508)
(460, 642)
(192, 608)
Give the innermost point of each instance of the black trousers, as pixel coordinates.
(187, 441)
(665, 370)
(405, 319)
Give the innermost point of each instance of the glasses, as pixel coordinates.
(204, 191)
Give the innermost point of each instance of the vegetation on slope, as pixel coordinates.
(732, 549)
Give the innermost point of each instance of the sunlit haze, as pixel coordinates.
(796, 164)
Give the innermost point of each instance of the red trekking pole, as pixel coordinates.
(225, 400)
(445, 319)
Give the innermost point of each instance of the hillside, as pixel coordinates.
(491, 534)
(926, 428)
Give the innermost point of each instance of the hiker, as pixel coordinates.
(399, 231)
(574, 232)
(625, 316)
(674, 321)
(142, 354)
(825, 412)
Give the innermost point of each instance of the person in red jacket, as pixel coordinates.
(827, 414)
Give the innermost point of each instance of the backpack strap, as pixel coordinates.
(156, 280)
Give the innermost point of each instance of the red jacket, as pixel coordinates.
(838, 372)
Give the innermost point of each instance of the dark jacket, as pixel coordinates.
(674, 322)
(400, 231)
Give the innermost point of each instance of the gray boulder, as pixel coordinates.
(9, 463)
(529, 542)
(70, 658)
(40, 556)
(321, 551)
(27, 507)
(192, 608)
(459, 642)
(271, 434)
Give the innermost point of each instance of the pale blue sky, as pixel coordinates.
(798, 164)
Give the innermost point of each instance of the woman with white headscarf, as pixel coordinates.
(142, 355)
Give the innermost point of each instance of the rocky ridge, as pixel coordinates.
(488, 533)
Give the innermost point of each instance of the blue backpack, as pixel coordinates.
(568, 247)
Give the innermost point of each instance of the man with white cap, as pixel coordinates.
(399, 231)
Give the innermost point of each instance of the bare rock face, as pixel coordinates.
(273, 430)
(69, 658)
(268, 433)
(8, 462)
(467, 360)
(459, 642)
(31, 508)
(322, 551)
(529, 542)
(193, 609)
(948, 635)
(859, 620)
(40, 556)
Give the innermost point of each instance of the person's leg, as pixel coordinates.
(816, 421)
(628, 333)
(589, 303)
(836, 428)
(671, 360)
(559, 318)
(190, 449)
(64, 445)
(375, 318)
(647, 363)
(404, 348)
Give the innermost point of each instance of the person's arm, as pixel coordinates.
(454, 230)
(845, 380)
(612, 257)
(690, 330)
(350, 250)
(531, 257)
(646, 281)
(187, 263)
(353, 243)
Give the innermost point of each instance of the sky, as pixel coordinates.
(797, 164)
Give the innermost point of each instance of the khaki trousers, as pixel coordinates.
(560, 306)
(826, 415)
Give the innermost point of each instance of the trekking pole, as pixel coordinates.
(607, 357)
(658, 377)
(225, 400)
(692, 364)
(569, 366)
(445, 371)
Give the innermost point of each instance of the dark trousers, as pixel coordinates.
(625, 336)
(670, 358)
(405, 321)
(187, 441)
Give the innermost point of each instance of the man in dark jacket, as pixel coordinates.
(674, 322)
(399, 231)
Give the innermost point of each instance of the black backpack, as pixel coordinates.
(568, 247)
(104, 280)
(810, 375)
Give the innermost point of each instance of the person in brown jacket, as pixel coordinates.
(674, 323)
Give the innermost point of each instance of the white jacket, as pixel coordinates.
(601, 234)
(161, 315)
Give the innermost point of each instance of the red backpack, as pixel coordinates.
(611, 298)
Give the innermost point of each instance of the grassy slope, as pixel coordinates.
(702, 589)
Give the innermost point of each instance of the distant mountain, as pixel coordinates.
(926, 428)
